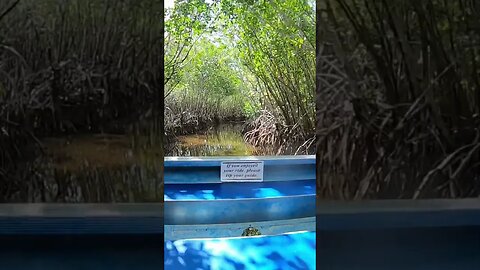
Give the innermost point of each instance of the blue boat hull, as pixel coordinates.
(398, 235)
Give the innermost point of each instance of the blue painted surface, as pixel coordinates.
(398, 214)
(81, 236)
(238, 210)
(195, 195)
(271, 227)
(216, 161)
(435, 248)
(81, 253)
(238, 190)
(80, 225)
(212, 174)
(196, 200)
(207, 170)
(81, 219)
(243, 253)
(400, 219)
(398, 235)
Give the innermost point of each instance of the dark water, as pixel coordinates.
(227, 140)
(221, 140)
(243, 253)
(90, 168)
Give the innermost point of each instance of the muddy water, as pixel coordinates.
(90, 168)
(221, 140)
(224, 140)
(105, 168)
(108, 151)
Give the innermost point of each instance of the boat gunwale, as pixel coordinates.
(397, 214)
(218, 211)
(215, 161)
(83, 210)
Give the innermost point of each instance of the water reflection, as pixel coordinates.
(90, 168)
(100, 151)
(221, 140)
(70, 98)
(225, 140)
(243, 253)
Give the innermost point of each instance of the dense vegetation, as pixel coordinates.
(398, 98)
(75, 67)
(210, 89)
(250, 60)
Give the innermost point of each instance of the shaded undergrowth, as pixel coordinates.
(75, 67)
(398, 99)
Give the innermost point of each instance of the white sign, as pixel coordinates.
(241, 171)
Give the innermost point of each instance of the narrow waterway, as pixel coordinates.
(108, 167)
(220, 140)
(89, 168)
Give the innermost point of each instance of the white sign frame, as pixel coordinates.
(241, 171)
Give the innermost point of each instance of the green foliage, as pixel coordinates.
(184, 25)
(249, 56)
(210, 85)
(251, 109)
(212, 71)
(276, 42)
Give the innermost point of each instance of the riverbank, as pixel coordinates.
(223, 139)
(230, 139)
(88, 167)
